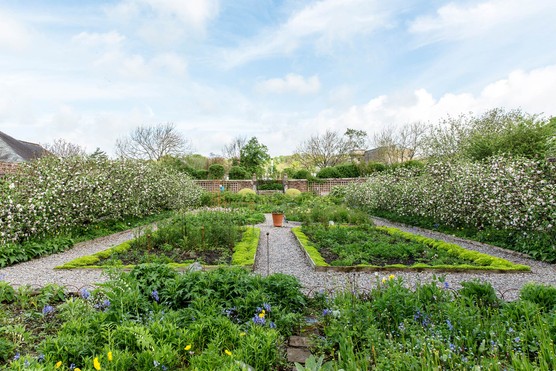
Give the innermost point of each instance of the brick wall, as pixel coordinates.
(321, 188)
(7, 167)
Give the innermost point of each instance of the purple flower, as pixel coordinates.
(327, 312)
(267, 307)
(84, 293)
(446, 285)
(259, 320)
(47, 310)
(155, 296)
(17, 356)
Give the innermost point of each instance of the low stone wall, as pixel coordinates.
(321, 187)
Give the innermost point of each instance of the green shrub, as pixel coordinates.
(479, 292)
(292, 192)
(246, 191)
(7, 293)
(329, 172)
(238, 172)
(201, 174)
(216, 171)
(302, 174)
(270, 186)
(543, 295)
(348, 171)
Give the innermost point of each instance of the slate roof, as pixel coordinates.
(13, 150)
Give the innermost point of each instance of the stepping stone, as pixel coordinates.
(298, 355)
(299, 342)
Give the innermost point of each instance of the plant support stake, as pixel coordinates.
(267, 255)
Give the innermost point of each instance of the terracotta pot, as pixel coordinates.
(278, 219)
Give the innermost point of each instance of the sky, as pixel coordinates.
(90, 72)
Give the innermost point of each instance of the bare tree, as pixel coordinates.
(62, 148)
(153, 142)
(410, 140)
(232, 150)
(328, 149)
(386, 146)
(400, 145)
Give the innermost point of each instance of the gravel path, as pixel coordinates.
(286, 257)
(39, 272)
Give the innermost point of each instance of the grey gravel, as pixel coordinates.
(40, 272)
(287, 257)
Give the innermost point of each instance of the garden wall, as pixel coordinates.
(321, 187)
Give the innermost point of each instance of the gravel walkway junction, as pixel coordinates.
(286, 257)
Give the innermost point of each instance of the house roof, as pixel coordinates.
(13, 150)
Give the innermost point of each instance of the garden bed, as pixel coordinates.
(207, 238)
(368, 248)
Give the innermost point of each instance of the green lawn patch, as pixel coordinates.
(377, 248)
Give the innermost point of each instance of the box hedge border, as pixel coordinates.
(244, 254)
(488, 263)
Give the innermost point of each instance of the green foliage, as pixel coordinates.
(496, 132)
(201, 174)
(253, 155)
(216, 171)
(239, 172)
(368, 168)
(481, 293)
(246, 192)
(301, 174)
(329, 172)
(270, 185)
(245, 250)
(542, 295)
(348, 171)
(292, 192)
(7, 292)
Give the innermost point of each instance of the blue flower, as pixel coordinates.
(259, 320)
(327, 312)
(84, 293)
(446, 285)
(267, 307)
(17, 356)
(47, 310)
(40, 358)
(156, 363)
(154, 295)
(450, 326)
(72, 366)
(272, 325)
(452, 347)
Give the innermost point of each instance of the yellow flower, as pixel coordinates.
(96, 363)
(391, 277)
(242, 334)
(110, 356)
(187, 347)
(228, 352)
(383, 279)
(77, 369)
(58, 364)
(261, 315)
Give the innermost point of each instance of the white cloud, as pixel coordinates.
(292, 83)
(194, 14)
(13, 34)
(324, 23)
(532, 91)
(170, 61)
(112, 38)
(458, 21)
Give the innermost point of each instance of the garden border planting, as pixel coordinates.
(492, 264)
(244, 254)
